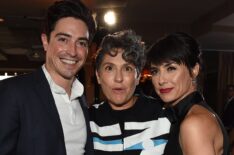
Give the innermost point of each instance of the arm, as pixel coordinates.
(9, 121)
(197, 135)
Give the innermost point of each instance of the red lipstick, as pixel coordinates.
(166, 90)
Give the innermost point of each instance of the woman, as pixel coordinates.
(175, 67)
(127, 122)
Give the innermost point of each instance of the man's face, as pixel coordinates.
(230, 92)
(118, 80)
(67, 48)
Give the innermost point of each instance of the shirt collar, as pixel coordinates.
(77, 87)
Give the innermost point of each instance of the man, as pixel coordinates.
(127, 122)
(228, 116)
(228, 113)
(43, 113)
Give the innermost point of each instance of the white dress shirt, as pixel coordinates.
(71, 115)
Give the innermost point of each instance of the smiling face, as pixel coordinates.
(66, 49)
(118, 80)
(172, 81)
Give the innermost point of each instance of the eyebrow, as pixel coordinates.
(168, 64)
(130, 64)
(63, 34)
(111, 63)
(68, 35)
(83, 38)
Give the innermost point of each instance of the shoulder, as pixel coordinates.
(101, 114)
(148, 107)
(12, 91)
(24, 79)
(14, 82)
(198, 120)
(20, 85)
(97, 108)
(199, 130)
(149, 100)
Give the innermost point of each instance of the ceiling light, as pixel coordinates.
(110, 18)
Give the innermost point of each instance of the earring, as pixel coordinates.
(194, 81)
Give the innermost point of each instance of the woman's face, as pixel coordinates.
(173, 81)
(118, 80)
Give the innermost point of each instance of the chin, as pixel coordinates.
(166, 100)
(68, 76)
(119, 103)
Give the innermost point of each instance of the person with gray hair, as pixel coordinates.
(126, 122)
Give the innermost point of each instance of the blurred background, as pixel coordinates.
(211, 22)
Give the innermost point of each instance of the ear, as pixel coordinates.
(98, 78)
(196, 70)
(44, 41)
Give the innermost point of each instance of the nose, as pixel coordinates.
(161, 79)
(72, 49)
(118, 76)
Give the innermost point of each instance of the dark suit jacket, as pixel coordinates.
(228, 115)
(29, 120)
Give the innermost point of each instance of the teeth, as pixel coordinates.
(71, 62)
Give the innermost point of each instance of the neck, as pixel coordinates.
(66, 84)
(130, 103)
(173, 103)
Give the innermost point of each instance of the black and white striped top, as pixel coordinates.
(139, 130)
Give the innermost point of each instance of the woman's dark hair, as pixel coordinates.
(131, 44)
(177, 47)
(68, 8)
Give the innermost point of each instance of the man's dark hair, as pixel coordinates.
(131, 44)
(68, 8)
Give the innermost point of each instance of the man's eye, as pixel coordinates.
(62, 39)
(82, 43)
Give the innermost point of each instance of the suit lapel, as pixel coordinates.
(89, 143)
(46, 97)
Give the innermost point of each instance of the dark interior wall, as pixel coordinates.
(210, 80)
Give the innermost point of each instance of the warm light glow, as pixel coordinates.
(110, 18)
(2, 77)
(1, 19)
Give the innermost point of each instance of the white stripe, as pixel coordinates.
(98, 105)
(143, 125)
(152, 129)
(109, 147)
(111, 130)
(159, 150)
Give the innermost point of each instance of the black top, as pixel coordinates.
(140, 129)
(177, 115)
